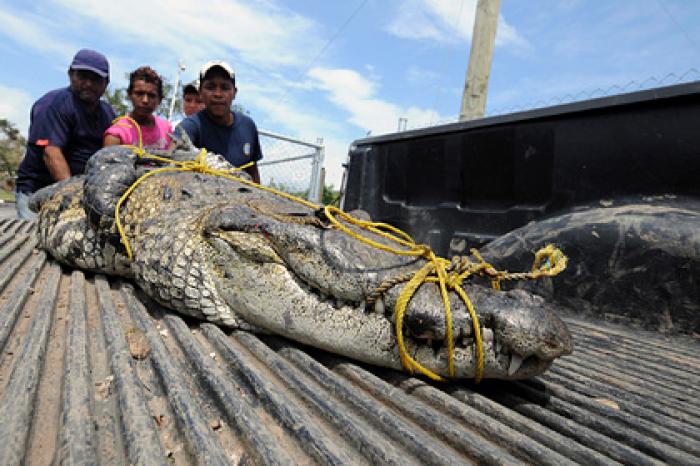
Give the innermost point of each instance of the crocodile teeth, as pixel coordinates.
(486, 334)
(498, 346)
(379, 306)
(515, 362)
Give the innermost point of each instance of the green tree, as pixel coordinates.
(287, 189)
(330, 196)
(12, 147)
(117, 98)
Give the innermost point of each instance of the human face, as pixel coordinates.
(144, 99)
(87, 85)
(192, 104)
(217, 92)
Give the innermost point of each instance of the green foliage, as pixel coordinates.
(12, 148)
(330, 196)
(117, 98)
(284, 188)
(8, 196)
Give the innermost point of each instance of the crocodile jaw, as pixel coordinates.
(260, 287)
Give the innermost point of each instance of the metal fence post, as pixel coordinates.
(281, 165)
(316, 188)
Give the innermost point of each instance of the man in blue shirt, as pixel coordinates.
(66, 128)
(217, 128)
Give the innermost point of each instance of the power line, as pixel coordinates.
(325, 47)
(333, 37)
(678, 25)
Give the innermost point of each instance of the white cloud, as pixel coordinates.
(355, 94)
(32, 31)
(259, 38)
(14, 106)
(260, 33)
(446, 21)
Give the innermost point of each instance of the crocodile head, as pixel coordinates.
(309, 283)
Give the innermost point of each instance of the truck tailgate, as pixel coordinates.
(92, 372)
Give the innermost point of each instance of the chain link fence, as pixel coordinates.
(292, 165)
(652, 82)
(632, 86)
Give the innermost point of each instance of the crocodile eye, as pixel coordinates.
(243, 190)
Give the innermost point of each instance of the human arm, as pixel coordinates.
(254, 173)
(56, 163)
(111, 140)
(167, 131)
(256, 156)
(51, 130)
(119, 133)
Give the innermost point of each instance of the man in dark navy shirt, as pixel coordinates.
(217, 128)
(66, 128)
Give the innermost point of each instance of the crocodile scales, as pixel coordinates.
(220, 250)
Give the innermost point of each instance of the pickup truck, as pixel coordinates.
(92, 372)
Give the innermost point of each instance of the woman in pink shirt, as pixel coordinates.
(145, 92)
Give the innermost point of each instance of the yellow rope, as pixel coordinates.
(435, 266)
(434, 271)
(116, 121)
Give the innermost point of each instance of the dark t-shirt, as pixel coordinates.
(238, 143)
(60, 119)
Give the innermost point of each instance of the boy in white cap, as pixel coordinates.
(219, 129)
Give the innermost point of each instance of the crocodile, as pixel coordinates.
(222, 250)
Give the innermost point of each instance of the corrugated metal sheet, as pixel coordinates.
(92, 373)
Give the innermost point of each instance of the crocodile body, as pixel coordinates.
(224, 251)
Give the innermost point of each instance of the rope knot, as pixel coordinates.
(426, 252)
(453, 280)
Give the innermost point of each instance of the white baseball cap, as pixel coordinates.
(214, 64)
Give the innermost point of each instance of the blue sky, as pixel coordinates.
(340, 69)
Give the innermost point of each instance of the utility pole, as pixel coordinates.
(476, 83)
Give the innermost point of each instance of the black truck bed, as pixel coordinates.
(72, 390)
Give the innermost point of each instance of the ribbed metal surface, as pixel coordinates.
(73, 391)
